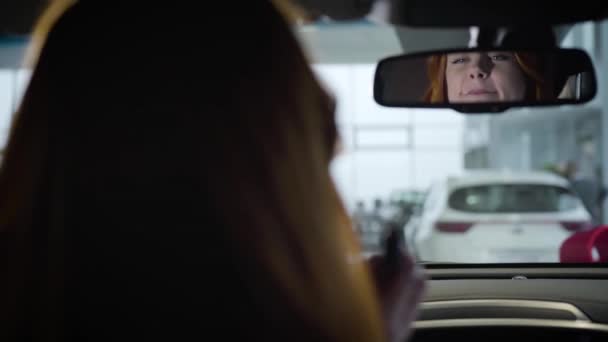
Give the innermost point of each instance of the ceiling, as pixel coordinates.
(354, 41)
(18, 16)
(463, 13)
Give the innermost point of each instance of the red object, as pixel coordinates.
(576, 226)
(578, 247)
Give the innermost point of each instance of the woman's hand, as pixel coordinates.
(400, 292)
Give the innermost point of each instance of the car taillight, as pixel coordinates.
(453, 227)
(576, 226)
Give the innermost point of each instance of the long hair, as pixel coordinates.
(537, 85)
(165, 176)
(436, 91)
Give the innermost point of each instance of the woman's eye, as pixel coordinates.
(458, 60)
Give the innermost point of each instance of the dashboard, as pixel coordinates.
(509, 303)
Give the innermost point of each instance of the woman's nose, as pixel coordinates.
(479, 69)
(477, 73)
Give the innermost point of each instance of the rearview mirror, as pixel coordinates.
(483, 80)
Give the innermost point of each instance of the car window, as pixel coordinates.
(512, 198)
(13, 79)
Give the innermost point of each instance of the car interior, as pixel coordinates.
(562, 301)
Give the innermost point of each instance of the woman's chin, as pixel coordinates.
(477, 98)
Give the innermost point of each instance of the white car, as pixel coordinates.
(496, 217)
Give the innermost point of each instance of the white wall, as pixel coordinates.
(387, 149)
(12, 85)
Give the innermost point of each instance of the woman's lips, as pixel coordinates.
(481, 92)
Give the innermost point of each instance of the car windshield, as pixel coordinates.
(529, 178)
(544, 169)
(512, 198)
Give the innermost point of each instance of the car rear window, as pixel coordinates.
(512, 198)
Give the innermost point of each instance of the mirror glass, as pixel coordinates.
(485, 80)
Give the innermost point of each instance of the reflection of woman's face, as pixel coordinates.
(484, 77)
